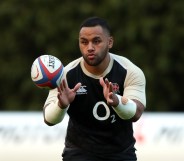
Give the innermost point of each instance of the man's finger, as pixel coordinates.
(64, 83)
(107, 82)
(77, 86)
(102, 81)
(110, 87)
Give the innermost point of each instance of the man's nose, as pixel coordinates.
(90, 46)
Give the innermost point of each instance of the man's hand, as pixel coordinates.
(66, 95)
(111, 98)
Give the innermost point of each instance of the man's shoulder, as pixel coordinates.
(73, 64)
(125, 62)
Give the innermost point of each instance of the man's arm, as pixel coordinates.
(139, 110)
(126, 108)
(53, 114)
(58, 102)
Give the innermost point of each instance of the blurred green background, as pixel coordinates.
(149, 33)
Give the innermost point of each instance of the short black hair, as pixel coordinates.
(95, 21)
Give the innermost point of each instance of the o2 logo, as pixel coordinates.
(107, 115)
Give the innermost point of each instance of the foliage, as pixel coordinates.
(150, 33)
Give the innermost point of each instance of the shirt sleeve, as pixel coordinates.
(52, 97)
(135, 83)
(52, 112)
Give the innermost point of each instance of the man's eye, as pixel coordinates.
(84, 42)
(96, 41)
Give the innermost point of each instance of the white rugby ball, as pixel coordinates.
(47, 71)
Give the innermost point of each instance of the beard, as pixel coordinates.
(98, 58)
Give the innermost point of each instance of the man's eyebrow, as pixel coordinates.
(97, 37)
(82, 38)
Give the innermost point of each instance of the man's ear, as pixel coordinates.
(111, 40)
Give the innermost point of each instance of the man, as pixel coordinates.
(103, 94)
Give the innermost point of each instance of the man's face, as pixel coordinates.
(94, 44)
